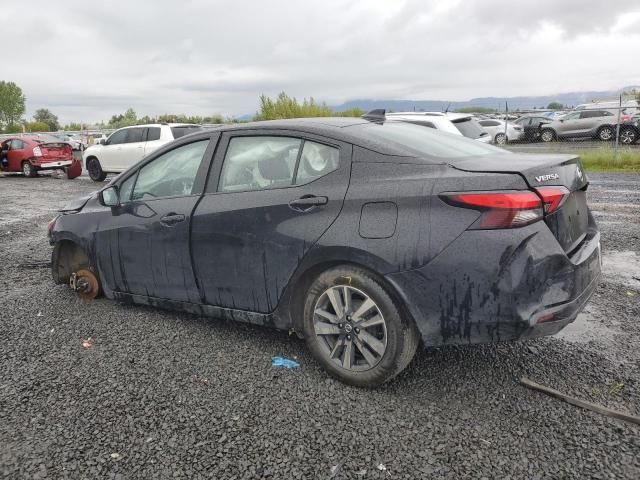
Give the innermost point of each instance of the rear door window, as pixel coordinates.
(135, 135)
(17, 145)
(258, 163)
(153, 133)
(316, 161)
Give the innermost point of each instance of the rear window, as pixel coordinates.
(426, 141)
(184, 130)
(468, 128)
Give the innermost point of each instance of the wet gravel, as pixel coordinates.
(168, 395)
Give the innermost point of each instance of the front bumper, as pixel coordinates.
(499, 285)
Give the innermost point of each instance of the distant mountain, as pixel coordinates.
(515, 103)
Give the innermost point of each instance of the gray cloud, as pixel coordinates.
(87, 61)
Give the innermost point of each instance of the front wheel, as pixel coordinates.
(95, 170)
(28, 170)
(355, 329)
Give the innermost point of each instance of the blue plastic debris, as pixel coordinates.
(278, 362)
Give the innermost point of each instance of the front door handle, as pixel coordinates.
(171, 219)
(307, 202)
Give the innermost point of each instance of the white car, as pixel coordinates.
(456, 123)
(495, 128)
(128, 145)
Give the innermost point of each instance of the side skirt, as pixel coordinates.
(269, 319)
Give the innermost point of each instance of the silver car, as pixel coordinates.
(495, 128)
(599, 124)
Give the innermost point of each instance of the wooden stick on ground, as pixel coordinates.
(580, 403)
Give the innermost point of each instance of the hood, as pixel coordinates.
(76, 205)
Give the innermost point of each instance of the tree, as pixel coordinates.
(12, 103)
(13, 128)
(128, 119)
(555, 106)
(284, 106)
(73, 126)
(45, 116)
(37, 127)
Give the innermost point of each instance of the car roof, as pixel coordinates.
(162, 125)
(344, 129)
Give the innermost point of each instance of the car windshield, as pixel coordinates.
(426, 141)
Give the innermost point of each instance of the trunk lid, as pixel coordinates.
(570, 222)
(56, 151)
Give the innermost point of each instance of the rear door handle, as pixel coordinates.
(307, 202)
(171, 219)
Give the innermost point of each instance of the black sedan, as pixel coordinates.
(364, 237)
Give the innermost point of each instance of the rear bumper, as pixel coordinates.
(500, 285)
(52, 164)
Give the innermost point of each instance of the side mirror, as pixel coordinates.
(102, 141)
(109, 197)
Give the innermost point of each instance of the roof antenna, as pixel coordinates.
(377, 115)
(447, 109)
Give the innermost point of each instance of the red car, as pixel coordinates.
(29, 155)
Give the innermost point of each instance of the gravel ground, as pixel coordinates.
(169, 395)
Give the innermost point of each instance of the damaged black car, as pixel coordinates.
(366, 237)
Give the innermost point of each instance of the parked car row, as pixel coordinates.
(596, 124)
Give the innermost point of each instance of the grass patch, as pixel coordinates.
(601, 160)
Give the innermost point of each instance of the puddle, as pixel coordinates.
(622, 268)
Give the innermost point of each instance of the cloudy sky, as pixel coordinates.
(89, 60)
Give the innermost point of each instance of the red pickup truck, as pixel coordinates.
(30, 155)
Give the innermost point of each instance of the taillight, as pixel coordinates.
(552, 197)
(37, 152)
(500, 209)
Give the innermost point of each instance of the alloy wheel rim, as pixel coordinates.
(350, 328)
(547, 137)
(606, 134)
(500, 139)
(627, 136)
(26, 169)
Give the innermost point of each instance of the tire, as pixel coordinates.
(628, 136)
(500, 139)
(358, 355)
(28, 170)
(606, 134)
(95, 170)
(547, 135)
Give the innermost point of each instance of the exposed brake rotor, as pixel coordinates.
(85, 283)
